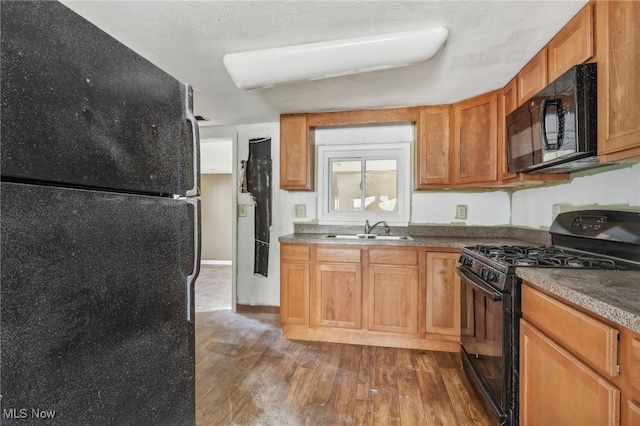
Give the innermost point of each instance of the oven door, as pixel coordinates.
(485, 339)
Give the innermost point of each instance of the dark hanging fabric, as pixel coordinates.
(258, 183)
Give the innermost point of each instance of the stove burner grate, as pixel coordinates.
(543, 257)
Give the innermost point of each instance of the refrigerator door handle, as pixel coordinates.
(195, 135)
(196, 261)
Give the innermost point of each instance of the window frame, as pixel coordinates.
(400, 151)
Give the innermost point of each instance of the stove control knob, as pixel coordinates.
(488, 274)
(465, 261)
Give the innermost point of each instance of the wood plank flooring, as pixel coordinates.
(248, 374)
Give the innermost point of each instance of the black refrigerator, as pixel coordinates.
(99, 238)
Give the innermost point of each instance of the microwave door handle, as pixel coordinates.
(543, 123)
(478, 284)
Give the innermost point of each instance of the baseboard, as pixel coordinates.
(257, 309)
(215, 262)
(371, 338)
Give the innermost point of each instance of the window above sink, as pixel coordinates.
(359, 182)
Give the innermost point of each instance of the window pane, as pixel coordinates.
(381, 178)
(346, 194)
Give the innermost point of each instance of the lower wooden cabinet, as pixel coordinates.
(338, 296)
(575, 367)
(558, 389)
(393, 299)
(443, 294)
(294, 283)
(294, 293)
(393, 296)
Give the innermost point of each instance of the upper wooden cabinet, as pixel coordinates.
(475, 141)
(533, 77)
(618, 52)
(296, 153)
(508, 102)
(572, 45)
(432, 147)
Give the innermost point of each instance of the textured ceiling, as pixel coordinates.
(489, 41)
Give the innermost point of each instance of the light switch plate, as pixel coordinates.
(301, 210)
(461, 211)
(242, 210)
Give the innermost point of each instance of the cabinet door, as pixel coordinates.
(618, 82)
(591, 340)
(296, 153)
(475, 139)
(393, 299)
(432, 147)
(635, 370)
(633, 413)
(533, 77)
(338, 296)
(294, 293)
(508, 102)
(572, 45)
(557, 389)
(443, 294)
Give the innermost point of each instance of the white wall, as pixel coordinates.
(255, 289)
(434, 207)
(611, 189)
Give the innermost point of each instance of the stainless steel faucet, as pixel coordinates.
(368, 228)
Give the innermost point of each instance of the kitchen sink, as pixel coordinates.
(369, 237)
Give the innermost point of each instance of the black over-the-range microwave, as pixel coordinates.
(556, 130)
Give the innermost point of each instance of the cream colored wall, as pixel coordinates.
(216, 215)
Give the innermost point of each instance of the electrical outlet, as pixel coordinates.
(555, 211)
(301, 210)
(461, 211)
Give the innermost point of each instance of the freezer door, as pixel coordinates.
(96, 302)
(79, 108)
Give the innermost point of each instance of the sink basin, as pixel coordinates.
(369, 237)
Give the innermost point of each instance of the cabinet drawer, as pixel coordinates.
(337, 255)
(585, 337)
(295, 252)
(390, 256)
(635, 370)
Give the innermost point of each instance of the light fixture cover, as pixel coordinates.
(280, 65)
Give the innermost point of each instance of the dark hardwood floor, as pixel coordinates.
(248, 374)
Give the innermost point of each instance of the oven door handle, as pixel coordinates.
(479, 284)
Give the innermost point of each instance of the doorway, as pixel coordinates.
(214, 285)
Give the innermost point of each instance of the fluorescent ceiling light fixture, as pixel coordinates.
(313, 61)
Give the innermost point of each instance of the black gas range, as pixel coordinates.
(490, 296)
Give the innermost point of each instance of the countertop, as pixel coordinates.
(614, 295)
(419, 241)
